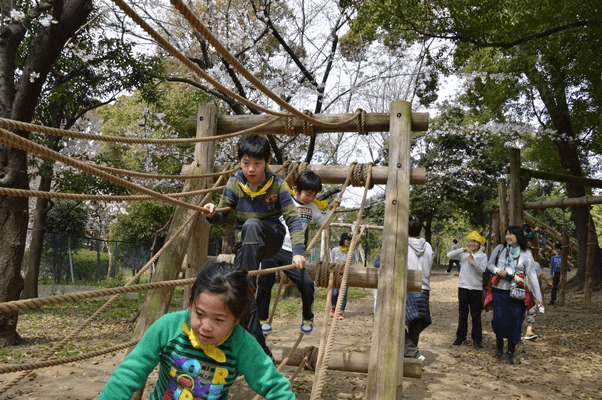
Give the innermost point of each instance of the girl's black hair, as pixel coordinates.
(520, 236)
(345, 236)
(414, 226)
(309, 181)
(226, 280)
(254, 146)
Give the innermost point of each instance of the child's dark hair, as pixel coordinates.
(414, 226)
(345, 236)
(455, 241)
(520, 236)
(254, 146)
(558, 246)
(309, 181)
(226, 280)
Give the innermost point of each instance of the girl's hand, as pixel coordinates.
(519, 280)
(501, 273)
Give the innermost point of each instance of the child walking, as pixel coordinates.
(307, 186)
(201, 350)
(339, 255)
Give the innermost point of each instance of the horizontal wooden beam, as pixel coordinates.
(337, 174)
(367, 277)
(563, 203)
(375, 122)
(363, 277)
(344, 361)
(551, 176)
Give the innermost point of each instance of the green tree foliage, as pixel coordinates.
(66, 226)
(525, 62)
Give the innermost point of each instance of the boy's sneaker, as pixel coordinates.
(421, 358)
(331, 314)
(307, 325)
(340, 317)
(531, 335)
(265, 327)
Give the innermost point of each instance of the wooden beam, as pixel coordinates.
(563, 203)
(375, 122)
(550, 176)
(362, 277)
(337, 174)
(386, 355)
(344, 361)
(204, 158)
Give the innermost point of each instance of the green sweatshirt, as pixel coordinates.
(187, 373)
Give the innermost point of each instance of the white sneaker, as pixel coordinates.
(266, 328)
(421, 358)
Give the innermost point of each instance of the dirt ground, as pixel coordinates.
(565, 362)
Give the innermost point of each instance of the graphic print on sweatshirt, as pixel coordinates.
(192, 380)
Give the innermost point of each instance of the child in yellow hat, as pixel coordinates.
(473, 262)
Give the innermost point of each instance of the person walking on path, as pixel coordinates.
(418, 313)
(453, 262)
(473, 263)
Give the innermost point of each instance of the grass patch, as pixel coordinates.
(293, 306)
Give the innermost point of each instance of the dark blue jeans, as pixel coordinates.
(451, 264)
(469, 301)
(299, 276)
(259, 239)
(335, 297)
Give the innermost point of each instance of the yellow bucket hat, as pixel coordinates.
(474, 235)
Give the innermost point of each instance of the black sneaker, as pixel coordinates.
(458, 342)
(477, 345)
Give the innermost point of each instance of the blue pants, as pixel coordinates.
(335, 297)
(451, 264)
(259, 239)
(299, 276)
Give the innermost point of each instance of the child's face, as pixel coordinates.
(511, 239)
(474, 245)
(305, 196)
(253, 169)
(210, 319)
(347, 243)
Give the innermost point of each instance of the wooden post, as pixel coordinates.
(563, 263)
(503, 210)
(156, 301)
(386, 355)
(204, 159)
(515, 206)
(592, 243)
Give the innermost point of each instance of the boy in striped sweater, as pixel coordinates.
(258, 198)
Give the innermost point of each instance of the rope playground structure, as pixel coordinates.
(203, 178)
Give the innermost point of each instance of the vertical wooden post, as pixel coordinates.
(156, 301)
(386, 356)
(592, 242)
(564, 255)
(204, 160)
(503, 223)
(516, 205)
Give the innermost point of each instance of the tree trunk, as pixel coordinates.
(30, 289)
(18, 101)
(557, 107)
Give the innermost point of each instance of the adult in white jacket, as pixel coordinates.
(418, 313)
(473, 262)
